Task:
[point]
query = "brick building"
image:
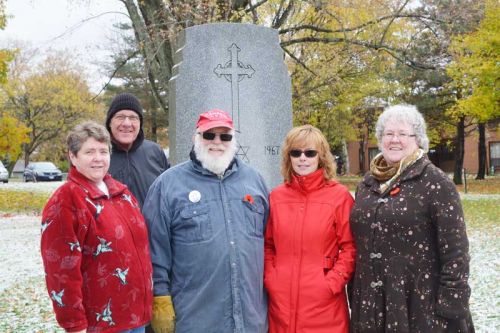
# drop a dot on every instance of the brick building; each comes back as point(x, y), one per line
point(440, 155)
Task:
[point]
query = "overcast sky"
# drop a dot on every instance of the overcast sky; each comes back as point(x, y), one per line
point(66, 24)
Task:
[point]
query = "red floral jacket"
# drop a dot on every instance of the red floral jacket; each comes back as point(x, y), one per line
point(95, 252)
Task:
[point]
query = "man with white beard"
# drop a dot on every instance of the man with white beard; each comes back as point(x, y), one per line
point(206, 220)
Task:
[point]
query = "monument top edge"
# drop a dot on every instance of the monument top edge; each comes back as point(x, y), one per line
point(229, 25)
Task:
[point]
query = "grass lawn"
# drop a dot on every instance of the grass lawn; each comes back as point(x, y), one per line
point(22, 201)
point(490, 185)
point(481, 214)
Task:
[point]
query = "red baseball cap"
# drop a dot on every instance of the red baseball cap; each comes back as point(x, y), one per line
point(214, 118)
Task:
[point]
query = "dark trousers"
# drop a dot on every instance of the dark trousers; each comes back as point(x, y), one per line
point(149, 329)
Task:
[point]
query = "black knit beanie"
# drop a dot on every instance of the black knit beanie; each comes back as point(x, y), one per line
point(124, 101)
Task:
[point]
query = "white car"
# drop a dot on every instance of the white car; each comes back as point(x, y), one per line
point(4, 174)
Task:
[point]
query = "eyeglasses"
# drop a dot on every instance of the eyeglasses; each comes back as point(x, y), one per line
point(400, 136)
point(211, 136)
point(121, 118)
point(309, 153)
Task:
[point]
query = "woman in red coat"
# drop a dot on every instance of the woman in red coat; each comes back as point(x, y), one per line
point(309, 247)
point(94, 244)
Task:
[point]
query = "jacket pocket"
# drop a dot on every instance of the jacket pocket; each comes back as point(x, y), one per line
point(195, 225)
point(254, 218)
point(327, 264)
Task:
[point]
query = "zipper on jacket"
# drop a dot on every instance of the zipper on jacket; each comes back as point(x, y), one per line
point(299, 261)
point(139, 257)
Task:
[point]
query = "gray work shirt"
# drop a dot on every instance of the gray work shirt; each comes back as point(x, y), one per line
point(207, 248)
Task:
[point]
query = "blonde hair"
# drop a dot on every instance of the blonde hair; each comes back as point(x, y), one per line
point(298, 137)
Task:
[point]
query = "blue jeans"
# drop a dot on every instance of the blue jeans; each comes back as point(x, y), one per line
point(135, 330)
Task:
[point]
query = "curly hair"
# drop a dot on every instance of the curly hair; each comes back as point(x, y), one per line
point(404, 113)
point(307, 135)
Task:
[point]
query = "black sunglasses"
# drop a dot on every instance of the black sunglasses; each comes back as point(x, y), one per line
point(310, 153)
point(223, 136)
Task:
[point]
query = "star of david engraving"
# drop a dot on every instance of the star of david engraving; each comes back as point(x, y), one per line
point(234, 71)
point(242, 153)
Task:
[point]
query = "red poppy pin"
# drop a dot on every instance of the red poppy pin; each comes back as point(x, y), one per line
point(395, 191)
point(248, 198)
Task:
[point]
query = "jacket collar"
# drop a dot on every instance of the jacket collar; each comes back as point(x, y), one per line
point(413, 171)
point(311, 182)
point(114, 187)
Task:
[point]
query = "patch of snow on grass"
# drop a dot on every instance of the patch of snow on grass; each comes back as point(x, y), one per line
point(19, 249)
point(485, 280)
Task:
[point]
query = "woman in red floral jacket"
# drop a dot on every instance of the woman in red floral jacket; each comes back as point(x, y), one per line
point(309, 249)
point(94, 244)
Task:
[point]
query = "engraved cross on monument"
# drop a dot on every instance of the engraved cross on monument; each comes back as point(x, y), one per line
point(260, 98)
point(234, 71)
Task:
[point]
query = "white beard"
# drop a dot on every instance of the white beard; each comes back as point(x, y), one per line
point(216, 164)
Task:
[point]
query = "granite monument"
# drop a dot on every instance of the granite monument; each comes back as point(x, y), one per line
point(238, 68)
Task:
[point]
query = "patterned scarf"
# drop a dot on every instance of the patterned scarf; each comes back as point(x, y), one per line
point(386, 174)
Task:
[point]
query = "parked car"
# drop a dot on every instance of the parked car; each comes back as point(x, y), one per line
point(4, 174)
point(36, 171)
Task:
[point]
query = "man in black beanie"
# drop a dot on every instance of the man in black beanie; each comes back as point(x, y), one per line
point(135, 161)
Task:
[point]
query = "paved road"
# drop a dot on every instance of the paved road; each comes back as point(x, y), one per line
point(36, 187)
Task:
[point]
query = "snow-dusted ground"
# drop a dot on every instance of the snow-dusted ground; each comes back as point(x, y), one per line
point(25, 305)
point(19, 249)
point(485, 279)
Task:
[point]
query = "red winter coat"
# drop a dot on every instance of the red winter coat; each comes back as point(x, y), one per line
point(309, 256)
point(96, 256)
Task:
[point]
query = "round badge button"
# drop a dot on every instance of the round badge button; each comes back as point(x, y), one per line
point(194, 196)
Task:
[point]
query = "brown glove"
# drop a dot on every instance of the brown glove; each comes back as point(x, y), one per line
point(163, 315)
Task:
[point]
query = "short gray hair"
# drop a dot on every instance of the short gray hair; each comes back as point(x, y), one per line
point(83, 131)
point(406, 114)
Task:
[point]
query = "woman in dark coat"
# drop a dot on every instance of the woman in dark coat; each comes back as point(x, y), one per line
point(412, 262)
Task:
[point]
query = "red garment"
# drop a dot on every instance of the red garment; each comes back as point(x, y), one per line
point(309, 256)
point(95, 252)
